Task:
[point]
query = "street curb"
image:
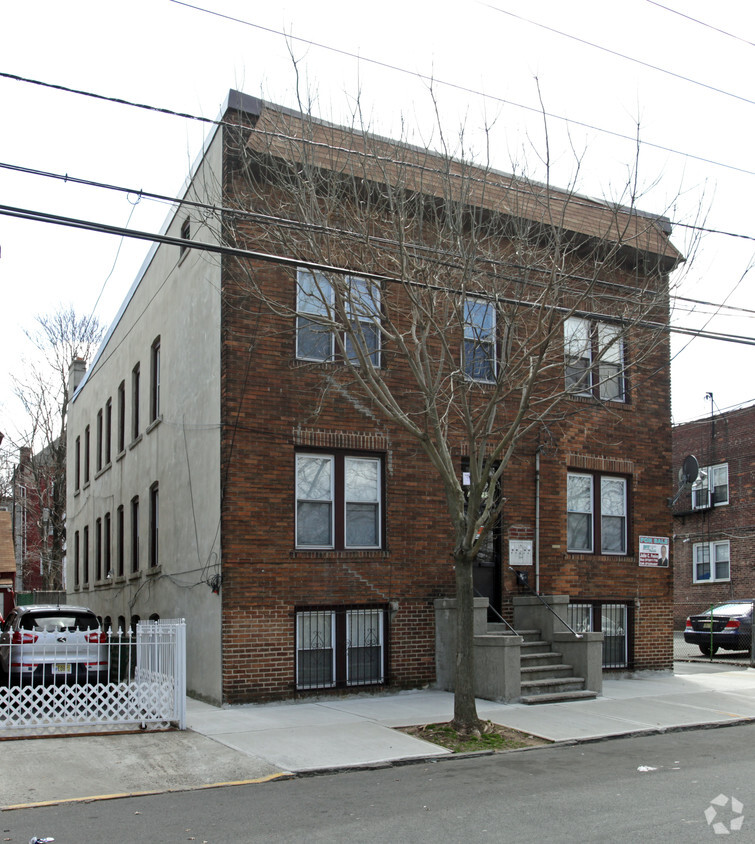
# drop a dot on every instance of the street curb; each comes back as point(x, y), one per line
point(151, 793)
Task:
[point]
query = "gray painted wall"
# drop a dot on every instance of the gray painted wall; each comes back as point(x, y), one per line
point(177, 299)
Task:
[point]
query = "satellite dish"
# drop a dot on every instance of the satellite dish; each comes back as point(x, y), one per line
point(689, 471)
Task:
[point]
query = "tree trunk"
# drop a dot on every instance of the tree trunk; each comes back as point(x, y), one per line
point(465, 710)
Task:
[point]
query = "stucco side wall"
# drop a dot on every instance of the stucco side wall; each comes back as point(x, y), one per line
point(177, 300)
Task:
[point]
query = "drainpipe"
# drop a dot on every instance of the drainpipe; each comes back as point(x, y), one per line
point(537, 519)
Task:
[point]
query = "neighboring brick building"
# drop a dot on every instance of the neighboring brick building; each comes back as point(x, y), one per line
point(216, 473)
point(714, 521)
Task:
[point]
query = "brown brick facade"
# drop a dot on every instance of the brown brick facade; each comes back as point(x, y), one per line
point(723, 438)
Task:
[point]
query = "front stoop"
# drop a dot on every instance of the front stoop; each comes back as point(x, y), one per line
point(546, 678)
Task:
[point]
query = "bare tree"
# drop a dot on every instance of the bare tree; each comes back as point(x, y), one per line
point(43, 390)
point(503, 301)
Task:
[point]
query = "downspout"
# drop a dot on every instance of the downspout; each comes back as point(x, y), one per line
point(537, 519)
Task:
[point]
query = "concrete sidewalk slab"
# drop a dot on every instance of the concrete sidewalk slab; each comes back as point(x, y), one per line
point(79, 767)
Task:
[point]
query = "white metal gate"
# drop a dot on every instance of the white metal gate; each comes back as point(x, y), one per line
point(147, 685)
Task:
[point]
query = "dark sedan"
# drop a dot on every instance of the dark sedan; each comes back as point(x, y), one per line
point(727, 626)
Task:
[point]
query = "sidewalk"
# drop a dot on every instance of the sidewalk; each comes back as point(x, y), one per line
point(255, 743)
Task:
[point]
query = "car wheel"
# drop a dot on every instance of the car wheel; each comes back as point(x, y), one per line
point(707, 650)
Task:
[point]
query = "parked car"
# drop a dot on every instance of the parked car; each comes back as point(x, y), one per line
point(50, 644)
point(727, 626)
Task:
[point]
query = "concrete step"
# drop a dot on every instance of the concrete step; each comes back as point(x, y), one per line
point(500, 627)
point(552, 685)
point(539, 657)
point(557, 697)
point(529, 635)
point(535, 644)
point(546, 671)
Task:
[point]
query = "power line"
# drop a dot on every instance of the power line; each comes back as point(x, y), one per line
point(105, 228)
point(702, 23)
point(620, 55)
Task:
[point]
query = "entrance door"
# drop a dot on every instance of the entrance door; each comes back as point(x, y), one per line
point(487, 572)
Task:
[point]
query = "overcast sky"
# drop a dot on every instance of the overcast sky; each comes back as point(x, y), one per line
point(602, 71)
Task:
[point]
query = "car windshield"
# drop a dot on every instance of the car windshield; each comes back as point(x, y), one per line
point(58, 620)
point(732, 609)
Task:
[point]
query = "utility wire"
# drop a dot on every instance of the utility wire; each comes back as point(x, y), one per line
point(280, 260)
point(620, 55)
point(702, 23)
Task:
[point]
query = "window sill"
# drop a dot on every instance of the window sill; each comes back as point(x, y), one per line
point(121, 454)
point(102, 471)
point(153, 570)
point(332, 554)
point(581, 556)
point(153, 424)
point(135, 442)
point(77, 492)
point(134, 575)
point(608, 404)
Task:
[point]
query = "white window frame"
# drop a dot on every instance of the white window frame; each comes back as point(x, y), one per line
point(596, 513)
point(315, 298)
point(329, 459)
point(595, 353)
point(479, 335)
point(377, 502)
point(704, 491)
point(699, 548)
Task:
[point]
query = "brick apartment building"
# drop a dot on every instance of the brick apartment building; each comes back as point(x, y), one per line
point(218, 472)
point(714, 520)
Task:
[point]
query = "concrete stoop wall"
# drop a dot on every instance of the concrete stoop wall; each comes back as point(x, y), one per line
point(497, 655)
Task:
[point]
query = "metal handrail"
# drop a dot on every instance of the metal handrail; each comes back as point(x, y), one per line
point(495, 611)
point(522, 580)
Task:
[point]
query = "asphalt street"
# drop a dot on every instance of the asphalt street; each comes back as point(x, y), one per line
point(667, 788)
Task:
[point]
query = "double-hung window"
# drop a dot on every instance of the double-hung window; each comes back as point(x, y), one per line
point(597, 513)
point(479, 339)
point(318, 318)
point(710, 561)
point(594, 359)
point(338, 501)
point(711, 487)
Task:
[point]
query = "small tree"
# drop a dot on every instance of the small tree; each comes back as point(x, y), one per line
point(474, 282)
point(43, 390)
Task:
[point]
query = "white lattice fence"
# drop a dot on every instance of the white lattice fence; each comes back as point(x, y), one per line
point(155, 694)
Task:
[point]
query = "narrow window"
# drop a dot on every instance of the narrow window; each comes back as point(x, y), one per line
point(579, 513)
point(613, 515)
point(98, 550)
point(314, 501)
point(362, 502)
point(363, 312)
point(314, 299)
point(77, 464)
point(315, 656)
point(578, 356)
point(154, 523)
point(86, 454)
point(135, 534)
point(135, 377)
point(106, 546)
point(119, 541)
point(121, 416)
point(154, 395)
point(108, 430)
point(364, 647)
point(185, 236)
point(100, 430)
point(76, 560)
point(611, 365)
point(479, 339)
point(86, 556)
